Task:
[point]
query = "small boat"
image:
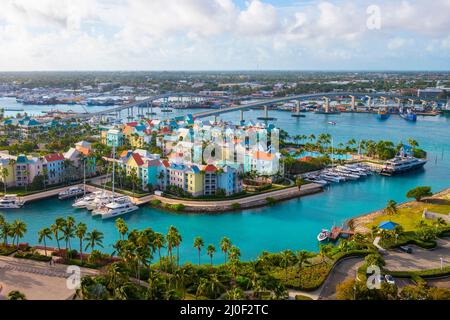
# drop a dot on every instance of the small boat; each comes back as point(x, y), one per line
point(11, 202)
point(408, 115)
point(332, 123)
point(72, 192)
point(323, 235)
point(87, 200)
point(382, 115)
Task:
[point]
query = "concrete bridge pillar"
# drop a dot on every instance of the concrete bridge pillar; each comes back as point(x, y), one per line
point(369, 102)
point(353, 103)
point(242, 116)
point(326, 104)
point(266, 112)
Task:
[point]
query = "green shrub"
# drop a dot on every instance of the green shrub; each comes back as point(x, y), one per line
point(177, 207)
point(32, 256)
point(155, 203)
point(235, 206)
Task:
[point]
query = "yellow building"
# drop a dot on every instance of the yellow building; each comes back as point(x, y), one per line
point(194, 181)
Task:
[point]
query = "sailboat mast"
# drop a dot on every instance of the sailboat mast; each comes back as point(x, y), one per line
point(113, 169)
point(84, 176)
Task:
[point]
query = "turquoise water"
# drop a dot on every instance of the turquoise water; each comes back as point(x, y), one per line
point(293, 224)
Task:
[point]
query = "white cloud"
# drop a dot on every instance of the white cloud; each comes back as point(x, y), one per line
point(205, 34)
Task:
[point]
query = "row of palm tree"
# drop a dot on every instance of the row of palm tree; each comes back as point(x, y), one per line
point(66, 230)
point(15, 230)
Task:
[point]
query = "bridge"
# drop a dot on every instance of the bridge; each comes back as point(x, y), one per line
point(148, 102)
point(325, 95)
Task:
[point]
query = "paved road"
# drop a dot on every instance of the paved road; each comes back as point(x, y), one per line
point(37, 280)
point(345, 269)
point(420, 259)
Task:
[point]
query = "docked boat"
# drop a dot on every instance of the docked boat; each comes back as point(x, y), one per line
point(88, 200)
point(408, 115)
point(330, 178)
point(332, 123)
point(115, 209)
point(11, 202)
point(317, 180)
point(382, 114)
point(323, 235)
point(72, 192)
point(400, 165)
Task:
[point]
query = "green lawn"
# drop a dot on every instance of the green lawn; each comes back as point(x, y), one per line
point(409, 216)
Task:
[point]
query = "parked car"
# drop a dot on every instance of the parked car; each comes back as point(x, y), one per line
point(389, 279)
point(406, 249)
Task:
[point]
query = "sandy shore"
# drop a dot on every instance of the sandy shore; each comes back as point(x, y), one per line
point(358, 224)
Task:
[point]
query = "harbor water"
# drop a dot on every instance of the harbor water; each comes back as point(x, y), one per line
point(292, 224)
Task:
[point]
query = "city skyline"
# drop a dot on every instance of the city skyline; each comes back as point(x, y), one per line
point(227, 35)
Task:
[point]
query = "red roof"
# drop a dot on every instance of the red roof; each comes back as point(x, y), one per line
point(210, 168)
point(166, 163)
point(137, 157)
point(54, 157)
point(132, 124)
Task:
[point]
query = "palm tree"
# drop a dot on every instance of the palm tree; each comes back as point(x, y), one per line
point(325, 250)
point(122, 227)
point(391, 207)
point(302, 259)
point(210, 250)
point(286, 259)
point(198, 243)
point(26, 173)
point(68, 231)
point(45, 233)
point(94, 238)
point(225, 245)
point(4, 174)
point(80, 233)
point(19, 228)
point(413, 143)
point(4, 230)
point(159, 242)
point(177, 242)
point(234, 255)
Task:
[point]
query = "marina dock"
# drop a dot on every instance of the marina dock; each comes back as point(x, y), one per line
point(337, 232)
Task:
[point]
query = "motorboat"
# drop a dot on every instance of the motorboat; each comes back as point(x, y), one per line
point(317, 180)
point(11, 202)
point(115, 209)
point(332, 123)
point(87, 200)
point(323, 235)
point(330, 178)
point(71, 192)
point(105, 201)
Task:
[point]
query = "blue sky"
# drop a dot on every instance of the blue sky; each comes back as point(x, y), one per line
point(224, 35)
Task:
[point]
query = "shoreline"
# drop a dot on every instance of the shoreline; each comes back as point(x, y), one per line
point(358, 223)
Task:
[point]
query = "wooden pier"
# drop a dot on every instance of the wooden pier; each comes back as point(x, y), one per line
point(336, 233)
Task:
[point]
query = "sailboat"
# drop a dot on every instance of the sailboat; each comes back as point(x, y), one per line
point(116, 207)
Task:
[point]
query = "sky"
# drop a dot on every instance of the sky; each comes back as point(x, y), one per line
point(224, 35)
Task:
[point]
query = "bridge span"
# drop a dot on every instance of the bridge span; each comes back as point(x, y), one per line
point(145, 103)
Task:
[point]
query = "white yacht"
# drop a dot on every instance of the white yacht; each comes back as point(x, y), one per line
point(72, 192)
point(402, 164)
point(115, 209)
point(87, 200)
point(100, 200)
point(11, 202)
